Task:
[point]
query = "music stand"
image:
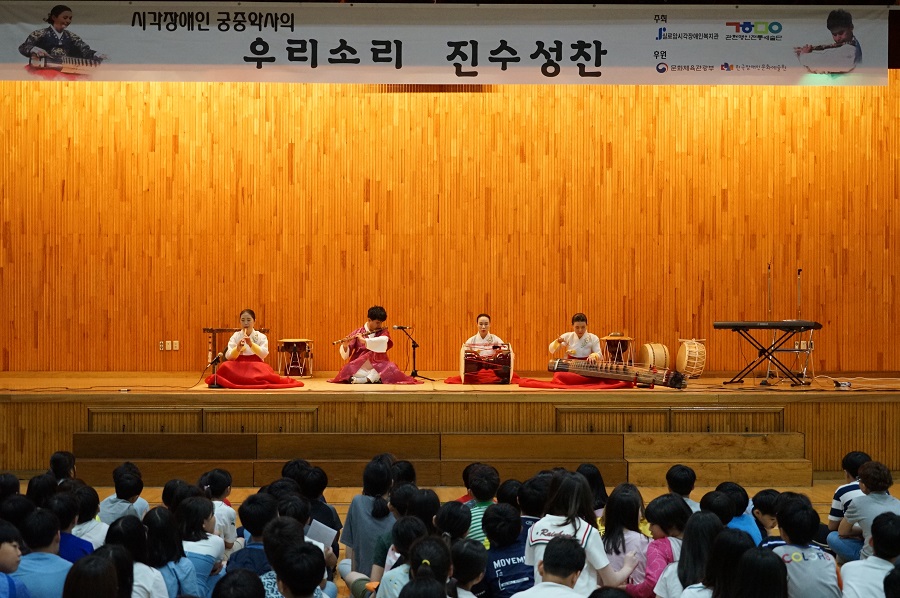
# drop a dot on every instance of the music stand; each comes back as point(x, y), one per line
point(414, 373)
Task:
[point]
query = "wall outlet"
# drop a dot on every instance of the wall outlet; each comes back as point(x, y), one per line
point(168, 345)
point(176, 345)
point(162, 345)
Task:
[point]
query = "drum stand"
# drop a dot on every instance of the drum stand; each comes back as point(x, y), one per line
point(415, 373)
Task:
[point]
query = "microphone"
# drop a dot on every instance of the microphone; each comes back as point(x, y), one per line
point(402, 327)
point(217, 359)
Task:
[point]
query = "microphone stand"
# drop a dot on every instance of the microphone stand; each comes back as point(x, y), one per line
point(215, 382)
point(414, 373)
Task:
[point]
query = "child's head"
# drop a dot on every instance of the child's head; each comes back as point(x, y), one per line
point(279, 534)
point(502, 525)
point(239, 583)
point(681, 479)
point(293, 506)
point(62, 465)
point(852, 461)
point(469, 560)
point(15, 509)
point(727, 549)
point(257, 511)
point(452, 521)
point(9, 485)
point(402, 497)
point(609, 593)
point(564, 558)
point(299, 570)
point(886, 536)
point(798, 523)
point(720, 504)
point(65, 506)
point(376, 483)
point(163, 542)
point(595, 481)
point(699, 533)
point(377, 316)
point(313, 482)
point(10, 547)
point(282, 487)
point(483, 482)
point(407, 530)
point(840, 24)
point(123, 564)
point(126, 467)
point(40, 488)
point(92, 576)
point(764, 507)
point(129, 532)
point(623, 512)
point(403, 472)
point(788, 497)
point(874, 477)
point(216, 483)
point(169, 490)
point(40, 530)
point(533, 495)
point(570, 497)
point(196, 518)
point(508, 492)
point(128, 486)
point(88, 503)
point(430, 557)
point(760, 574)
point(425, 505)
point(738, 496)
point(467, 471)
point(295, 469)
point(667, 515)
point(892, 584)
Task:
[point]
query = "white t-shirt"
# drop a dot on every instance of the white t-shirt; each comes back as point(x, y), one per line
point(668, 585)
point(213, 546)
point(93, 531)
point(225, 521)
point(698, 590)
point(148, 582)
point(865, 579)
point(551, 526)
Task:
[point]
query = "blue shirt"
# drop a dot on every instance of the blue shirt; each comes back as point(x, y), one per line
point(180, 577)
point(251, 557)
point(73, 548)
point(506, 572)
point(10, 587)
point(44, 574)
point(747, 523)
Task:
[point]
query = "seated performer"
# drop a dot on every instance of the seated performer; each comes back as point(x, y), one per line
point(366, 351)
point(56, 40)
point(493, 359)
point(245, 367)
point(580, 344)
point(484, 337)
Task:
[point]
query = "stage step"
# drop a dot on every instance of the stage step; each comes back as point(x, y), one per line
point(769, 473)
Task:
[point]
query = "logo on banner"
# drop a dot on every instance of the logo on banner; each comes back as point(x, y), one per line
point(662, 67)
point(756, 27)
point(726, 67)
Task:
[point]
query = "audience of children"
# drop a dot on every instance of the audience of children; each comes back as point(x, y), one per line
point(130, 533)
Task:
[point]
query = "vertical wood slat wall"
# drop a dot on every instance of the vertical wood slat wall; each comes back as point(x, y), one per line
point(138, 212)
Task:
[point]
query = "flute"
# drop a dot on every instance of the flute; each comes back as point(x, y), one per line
point(349, 336)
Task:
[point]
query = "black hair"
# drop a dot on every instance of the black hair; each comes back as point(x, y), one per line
point(239, 583)
point(163, 541)
point(886, 536)
point(402, 497)
point(295, 469)
point(192, 513)
point(40, 488)
point(403, 472)
point(838, 18)
point(215, 483)
point(737, 494)
point(595, 481)
point(423, 587)
point(467, 471)
point(91, 576)
point(786, 498)
point(376, 483)
point(15, 509)
point(718, 503)
point(623, 512)
point(892, 584)
point(280, 533)
point(852, 460)
point(727, 549)
point(184, 492)
point(502, 524)
point(430, 557)
point(764, 501)
point(301, 568)
point(65, 506)
point(483, 482)
point(40, 528)
point(88, 503)
point(425, 505)
point(563, 556)
point(56, 11)
point(579, 317)
point(609, 593)
point(508, 493)
point(296, 507)
point(669, 512)
point(121, 559)
point(313, 481)
point(570, 497)
point(127, 467)
point(696, 546)
point(479, 316)
point(799, 522)
point(282, 487)
point(129, 532)
point(407, 530)
point(62, 465)
point(469, 559)
point(257, 511)
point(453, 521)
point(376, 312)
point(760, 574)
point(9, 485)
point(533, 494)
point(169, 491)
point(248, 311)
point(681, 479)
point(9, 533)
point(128, 486)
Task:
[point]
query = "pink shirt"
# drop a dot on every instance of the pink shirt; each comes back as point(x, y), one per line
point(659, 554)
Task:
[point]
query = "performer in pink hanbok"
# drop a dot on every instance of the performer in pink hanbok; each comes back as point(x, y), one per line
point(365, 350)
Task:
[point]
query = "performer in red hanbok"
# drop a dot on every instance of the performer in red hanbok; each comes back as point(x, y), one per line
point(365, 350)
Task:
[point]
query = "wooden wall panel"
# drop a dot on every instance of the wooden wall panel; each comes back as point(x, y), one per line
point(260, 420)
point(733, 419)
point(151, 420)
point(152, 210)
point(33, 431)
point(611, 419)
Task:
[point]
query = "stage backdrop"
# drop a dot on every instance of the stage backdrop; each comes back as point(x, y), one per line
point(138, 212)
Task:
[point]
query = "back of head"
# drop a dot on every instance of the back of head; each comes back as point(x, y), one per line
point(40, 488)
point(62, 465)
point(453, 520)
point(376, 483)
point(798, 522)
point(469, 559)
point(88, 503)
point(216, 483)
point(699, 533)
point(669, 512)
point(738, 496)
point(467, 471)
point(239, 583)
point(595, 481)
point(681, 479)
point(852, 461)
point(720, 504)
point(876, 476)
point(886, 536)
point(402, 498)
point(508, 492)
point(123, 564)
point(9, 485)
point(128, 486)
point(10, 534)
point(533, 495)
point(403, 472)
point(424, 587)
point(170, 490)
point(892, 584)
point(65, 506)
point(728, 547)
point(282, 487)
point(764, 501)
point(405, 531)
point(789, 497)
point(570, 497)
point(257, 511)
point(430, 557)
point(502, 525)
point(129, 532)
point(622, 513)
point(609, 593)
point(126, 468)
point(484, 480)
point(313, 482)
point(425, 505)
point(191, 515)
point(300, 568)
point(163, 541)
point(183, 492)
point(15, 509)
point(280, 533)
point(760, 574)
point(40, 529)
point(296, 470)
point(563, 556)
point(92, 576)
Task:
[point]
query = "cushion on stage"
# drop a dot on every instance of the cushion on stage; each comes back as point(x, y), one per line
point(483, 376)
point(250, 372)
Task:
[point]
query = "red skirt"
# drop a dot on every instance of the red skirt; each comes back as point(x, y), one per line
point(482, 376)
point(570, 380)
point(250, 372)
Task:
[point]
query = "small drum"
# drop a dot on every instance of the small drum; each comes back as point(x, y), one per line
point(474, 358)
point(617, 348)
point(654, 355)
point(295, 357)
point(691, 358)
